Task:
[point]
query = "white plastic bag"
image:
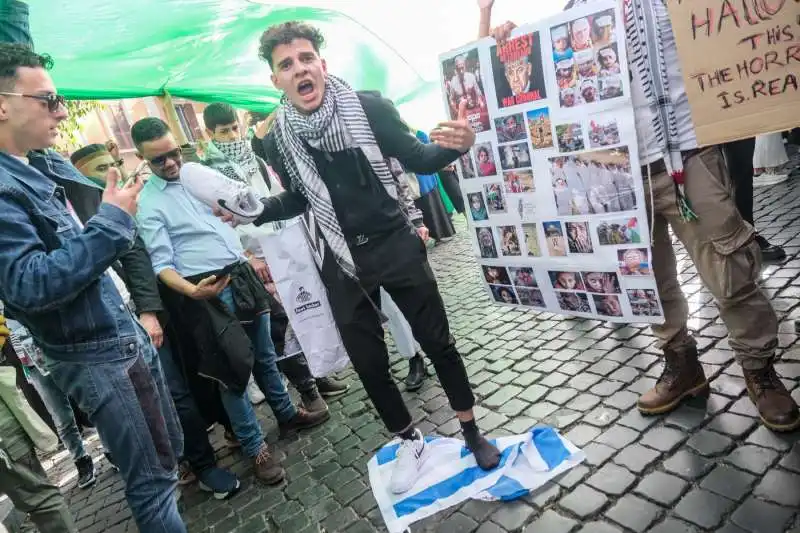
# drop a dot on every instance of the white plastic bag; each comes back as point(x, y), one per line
point(305, 299)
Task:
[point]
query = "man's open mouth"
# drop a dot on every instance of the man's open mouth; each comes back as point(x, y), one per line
point(305, 88)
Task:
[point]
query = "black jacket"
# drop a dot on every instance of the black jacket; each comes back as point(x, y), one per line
point(134, 266)
point(359, 199)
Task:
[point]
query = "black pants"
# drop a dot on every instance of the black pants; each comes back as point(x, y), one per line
point(453, 189)
point(398, 263)
point(739, 157)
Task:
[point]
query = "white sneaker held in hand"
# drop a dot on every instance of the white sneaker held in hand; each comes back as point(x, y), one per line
point(216, 190)
point(410, 457)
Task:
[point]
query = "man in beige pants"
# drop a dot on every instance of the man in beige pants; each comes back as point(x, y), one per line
point(719, 241)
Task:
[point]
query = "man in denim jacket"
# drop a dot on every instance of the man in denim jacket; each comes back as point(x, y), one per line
point(53, 279)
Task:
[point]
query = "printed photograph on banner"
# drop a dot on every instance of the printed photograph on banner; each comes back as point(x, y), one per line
point(495, 199)
point(484, 155)
point(463, 86)
point(504, 295)
point(578, 238)
point(603, 132)
point(510, 128)
point(601, 282)
point(644, 302)
point(477, 207)
point(523, 277)
point(634, 261)
point(519, 181)
point(566, 280)
point(593, 183)
point(622, 231)
point(570, 137)
point(517, 71)
point(526, 207)
point(586, 59)
point(607, 304)
point(486, 244)
point(531, 240)
point(576, 302)
point(509, 241)
point(496, 275)
point(467, 166)
point(554, 236)
point(531, 297)
point(515, 155)
point(540, 128)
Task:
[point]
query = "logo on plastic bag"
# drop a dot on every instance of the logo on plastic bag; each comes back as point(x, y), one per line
point(306, 301)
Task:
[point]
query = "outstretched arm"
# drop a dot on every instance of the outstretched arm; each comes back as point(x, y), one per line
point(485, 23)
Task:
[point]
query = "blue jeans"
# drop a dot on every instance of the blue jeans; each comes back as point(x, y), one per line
point(121, 388)
point(269, 380)
point(57, 404)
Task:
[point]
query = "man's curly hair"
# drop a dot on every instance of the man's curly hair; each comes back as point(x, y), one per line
point(14, 56)
point(285, 33)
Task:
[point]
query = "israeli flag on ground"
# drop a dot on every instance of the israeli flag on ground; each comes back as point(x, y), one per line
point(450, 475)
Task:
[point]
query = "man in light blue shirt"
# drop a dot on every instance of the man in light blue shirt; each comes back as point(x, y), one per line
point(187, 242)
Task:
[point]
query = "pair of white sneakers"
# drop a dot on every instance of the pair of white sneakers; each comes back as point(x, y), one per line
point(219, 191)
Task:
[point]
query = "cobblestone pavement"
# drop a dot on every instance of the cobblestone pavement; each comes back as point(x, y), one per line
point(706, 467)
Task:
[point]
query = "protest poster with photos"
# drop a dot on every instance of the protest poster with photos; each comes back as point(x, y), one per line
point(553, 182)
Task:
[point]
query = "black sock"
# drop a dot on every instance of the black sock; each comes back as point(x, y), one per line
point(409, 434)
point(469, 427)
point(486, 454)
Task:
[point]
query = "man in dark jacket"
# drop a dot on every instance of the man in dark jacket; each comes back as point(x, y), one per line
point(329, 146)
point(135, 269)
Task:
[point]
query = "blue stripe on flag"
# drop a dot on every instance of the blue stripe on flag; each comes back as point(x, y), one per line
point(465, 452)
point(507, 489)
point(387, 454)
point(447, 487)
point(550, 447)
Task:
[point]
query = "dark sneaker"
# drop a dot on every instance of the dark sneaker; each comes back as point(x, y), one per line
point(682, 377)
point(417, 372)
point(770, 253)
point(220, 482)
point(185, 474)
point(777, 409)
point(110, 459)
point(305, 420)
point(313, 402)
point(86, 477)
point(267, 468)
point(331, 387)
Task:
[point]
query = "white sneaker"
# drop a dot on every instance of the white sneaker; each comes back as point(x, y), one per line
point(410, 458)
point(254, 393)
point(217, 190)
point(769, 178)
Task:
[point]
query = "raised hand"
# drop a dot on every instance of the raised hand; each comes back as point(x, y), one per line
point(455, 134)
point(503, 32)
point(126, 197)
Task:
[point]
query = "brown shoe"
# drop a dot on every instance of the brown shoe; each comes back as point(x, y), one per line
point(305, 420)
point(682, 377)
point(267, 468)
point(312, 401)
point(777, 409)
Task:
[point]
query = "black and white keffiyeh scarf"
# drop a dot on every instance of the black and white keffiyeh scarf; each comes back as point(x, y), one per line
point(646, 24)
point(339, 124)
point(243, 158)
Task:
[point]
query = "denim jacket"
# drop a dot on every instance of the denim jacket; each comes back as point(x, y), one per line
point(53, 273)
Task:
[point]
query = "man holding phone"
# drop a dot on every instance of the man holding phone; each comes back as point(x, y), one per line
point(196, 255)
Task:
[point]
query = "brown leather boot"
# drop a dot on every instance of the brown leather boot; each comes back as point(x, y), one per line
point(777, 409)
point(304, 420)
point(682, 377)
point(267, 468)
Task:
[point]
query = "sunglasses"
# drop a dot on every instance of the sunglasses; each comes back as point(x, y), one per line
point(160, 160)
point(54, 101)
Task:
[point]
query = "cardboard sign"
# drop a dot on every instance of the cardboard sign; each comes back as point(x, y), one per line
point(741, 64)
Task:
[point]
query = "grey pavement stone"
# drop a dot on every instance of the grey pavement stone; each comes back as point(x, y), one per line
point(662, 488)
point(703, 508)
point(583, 501)
point(637, 458)
point(513, 515)
point(634, 513)
point(663, 439)
point(732, 483)
point(709, 443)
point(752, 458)
point(612, 479)
point(757, 516)
point(617, 437)
point(671, 525)
point(552, 522)
point(599, 527)
point(688, 465)
point(780, 487)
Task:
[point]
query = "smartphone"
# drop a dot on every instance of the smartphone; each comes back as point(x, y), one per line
point(225, 271)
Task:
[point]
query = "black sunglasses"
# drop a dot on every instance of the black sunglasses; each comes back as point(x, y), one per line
point(53, 101)
point(161, 159)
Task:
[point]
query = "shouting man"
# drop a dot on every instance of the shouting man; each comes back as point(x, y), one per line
point(328, 145)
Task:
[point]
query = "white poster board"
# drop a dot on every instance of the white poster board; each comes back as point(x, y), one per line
point(553, 184)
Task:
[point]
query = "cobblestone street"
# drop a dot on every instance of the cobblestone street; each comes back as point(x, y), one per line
point(708, 466)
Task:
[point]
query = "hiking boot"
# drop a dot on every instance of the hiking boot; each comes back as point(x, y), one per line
point(682, 377)
point(267, 468)
point(230, 440)
point(331, 387)
point(312, 401)
point(417, 371)
point(86, 477)
point(770, 253)
point(185, 474)
point(221, 483)
point(304, 420)
point(777, 409)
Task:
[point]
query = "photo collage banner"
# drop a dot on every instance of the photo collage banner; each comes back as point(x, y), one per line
point(553, 184)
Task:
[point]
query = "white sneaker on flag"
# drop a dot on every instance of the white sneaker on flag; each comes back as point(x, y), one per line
point(254, 393)
point(410, 456)
point(219, 191)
